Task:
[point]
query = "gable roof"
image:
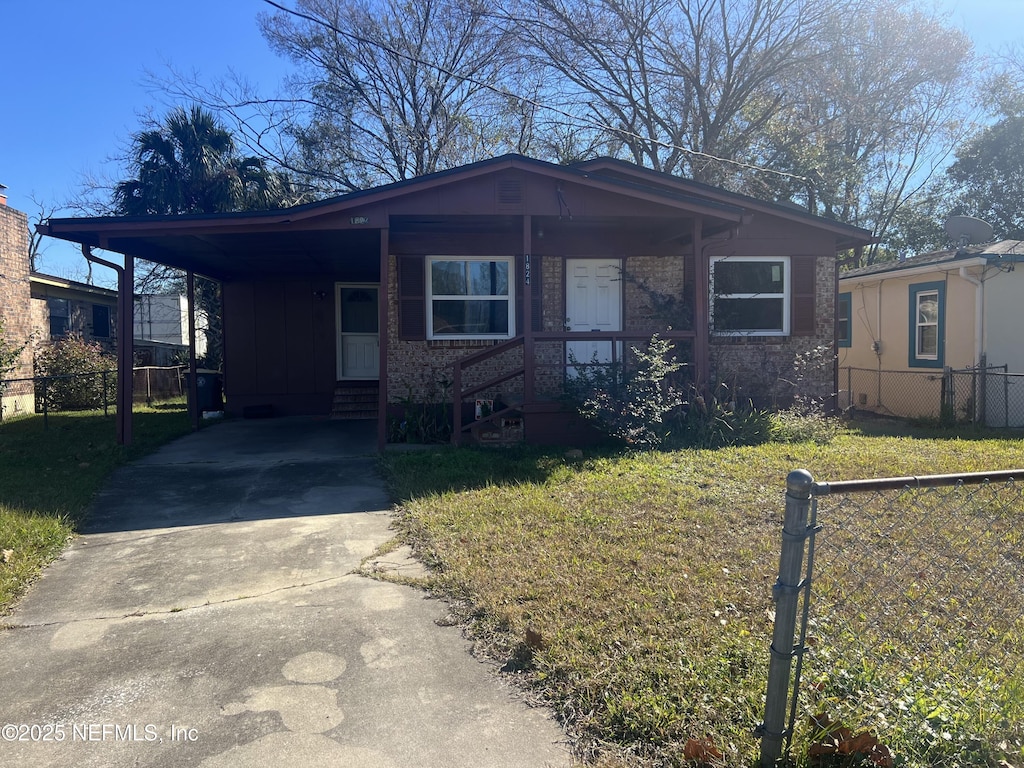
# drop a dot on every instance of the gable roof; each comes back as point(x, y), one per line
point(1002, 250)
point(849, 236)
point(309, 237)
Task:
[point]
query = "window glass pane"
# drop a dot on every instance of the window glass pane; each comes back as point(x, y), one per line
point(448, 278)
point(59, 314)
point(359, 310)
point(488, 278)
point(748, 314)
point(927, 308)
point(928, 341)
point(452, 317)
point(749, 277)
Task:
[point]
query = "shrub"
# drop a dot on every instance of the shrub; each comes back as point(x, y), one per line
point(75, 370)
point(633, 404)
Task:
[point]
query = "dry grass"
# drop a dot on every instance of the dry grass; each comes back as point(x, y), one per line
point(634, 593)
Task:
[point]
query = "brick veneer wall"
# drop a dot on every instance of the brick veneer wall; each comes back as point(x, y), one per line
point(418, 370)
point(15, 302)
point(754, 367)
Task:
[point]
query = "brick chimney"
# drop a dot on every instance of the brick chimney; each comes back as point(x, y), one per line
point(3, 197)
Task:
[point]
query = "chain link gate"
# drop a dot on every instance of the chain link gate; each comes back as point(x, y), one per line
point(910, 643)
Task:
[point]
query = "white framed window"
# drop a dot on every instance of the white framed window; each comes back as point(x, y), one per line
point(470, 297)
point(750, 296)
point(927, 325)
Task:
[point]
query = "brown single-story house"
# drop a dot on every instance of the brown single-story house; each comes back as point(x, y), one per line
point(472, 286)
point(61, 306)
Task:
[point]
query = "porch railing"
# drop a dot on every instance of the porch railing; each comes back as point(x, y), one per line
point(529, 366)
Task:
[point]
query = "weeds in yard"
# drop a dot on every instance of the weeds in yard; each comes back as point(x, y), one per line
point(634, 593)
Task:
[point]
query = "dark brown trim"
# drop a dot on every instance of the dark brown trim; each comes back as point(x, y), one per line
point(701, 313)
point(529, 362)
point(383, 310)
point(192, 383)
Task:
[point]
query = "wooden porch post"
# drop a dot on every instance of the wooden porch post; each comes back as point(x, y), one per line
point(383, 308)
point(701, 314)
point(527, 329)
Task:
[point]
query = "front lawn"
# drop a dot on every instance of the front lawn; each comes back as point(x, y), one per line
point(633, 593)
point(48, 477)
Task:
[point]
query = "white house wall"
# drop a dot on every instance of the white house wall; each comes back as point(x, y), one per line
point(165, 319)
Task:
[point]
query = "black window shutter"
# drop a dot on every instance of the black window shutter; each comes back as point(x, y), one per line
point(803, 275)
point(412, 310)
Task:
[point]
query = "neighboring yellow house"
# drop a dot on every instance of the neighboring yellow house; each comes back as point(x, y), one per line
point(916, 335)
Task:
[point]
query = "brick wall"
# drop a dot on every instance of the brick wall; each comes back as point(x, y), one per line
point(15, 303)
point(757, 367)
point(418, 370)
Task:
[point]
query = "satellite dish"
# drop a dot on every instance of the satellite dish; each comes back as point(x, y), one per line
point(967, 230)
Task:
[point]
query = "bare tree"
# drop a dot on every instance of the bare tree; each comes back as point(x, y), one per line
point(391, 89)
point(877, 119)
point(678, 83)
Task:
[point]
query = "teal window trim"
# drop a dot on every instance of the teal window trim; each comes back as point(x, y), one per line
point(915, 359)
point(844, 333)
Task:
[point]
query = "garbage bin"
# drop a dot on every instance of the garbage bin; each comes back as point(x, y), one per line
point(208, 390)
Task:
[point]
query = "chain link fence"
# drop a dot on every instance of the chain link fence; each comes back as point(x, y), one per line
point(899, 627)
point(995, 395)
point(905, 394)
point(988, 396)
point(87, 391)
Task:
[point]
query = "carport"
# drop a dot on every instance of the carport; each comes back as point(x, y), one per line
point(278, 270)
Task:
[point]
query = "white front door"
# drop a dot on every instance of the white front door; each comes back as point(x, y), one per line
point(593, 302)
point(358, 336)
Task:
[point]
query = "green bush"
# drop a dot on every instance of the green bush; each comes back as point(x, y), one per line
point(634, 404)
point(79, 375)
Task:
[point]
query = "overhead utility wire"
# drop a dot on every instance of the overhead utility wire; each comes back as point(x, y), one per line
point(532, 102)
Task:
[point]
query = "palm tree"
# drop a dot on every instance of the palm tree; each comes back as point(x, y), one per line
point(189, 165)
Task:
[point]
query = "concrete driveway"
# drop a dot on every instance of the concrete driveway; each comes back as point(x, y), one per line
point(210, 617)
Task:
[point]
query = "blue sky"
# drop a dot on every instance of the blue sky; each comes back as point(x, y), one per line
point(73, 79)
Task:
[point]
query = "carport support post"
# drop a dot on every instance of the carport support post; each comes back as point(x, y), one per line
point(126, 297)
point(125, 335)
point(193, 388)
point(383, 305)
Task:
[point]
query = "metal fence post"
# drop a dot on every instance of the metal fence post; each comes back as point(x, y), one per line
point(786, 593)
point(46, 406)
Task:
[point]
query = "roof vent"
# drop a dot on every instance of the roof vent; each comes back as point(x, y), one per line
point(509, 194)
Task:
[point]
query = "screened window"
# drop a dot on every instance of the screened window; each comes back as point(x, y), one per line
point(60, 315)
point(100, 321)
point(750, 296)
point(469, 298)
point(926, 324)
point(844, 331)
